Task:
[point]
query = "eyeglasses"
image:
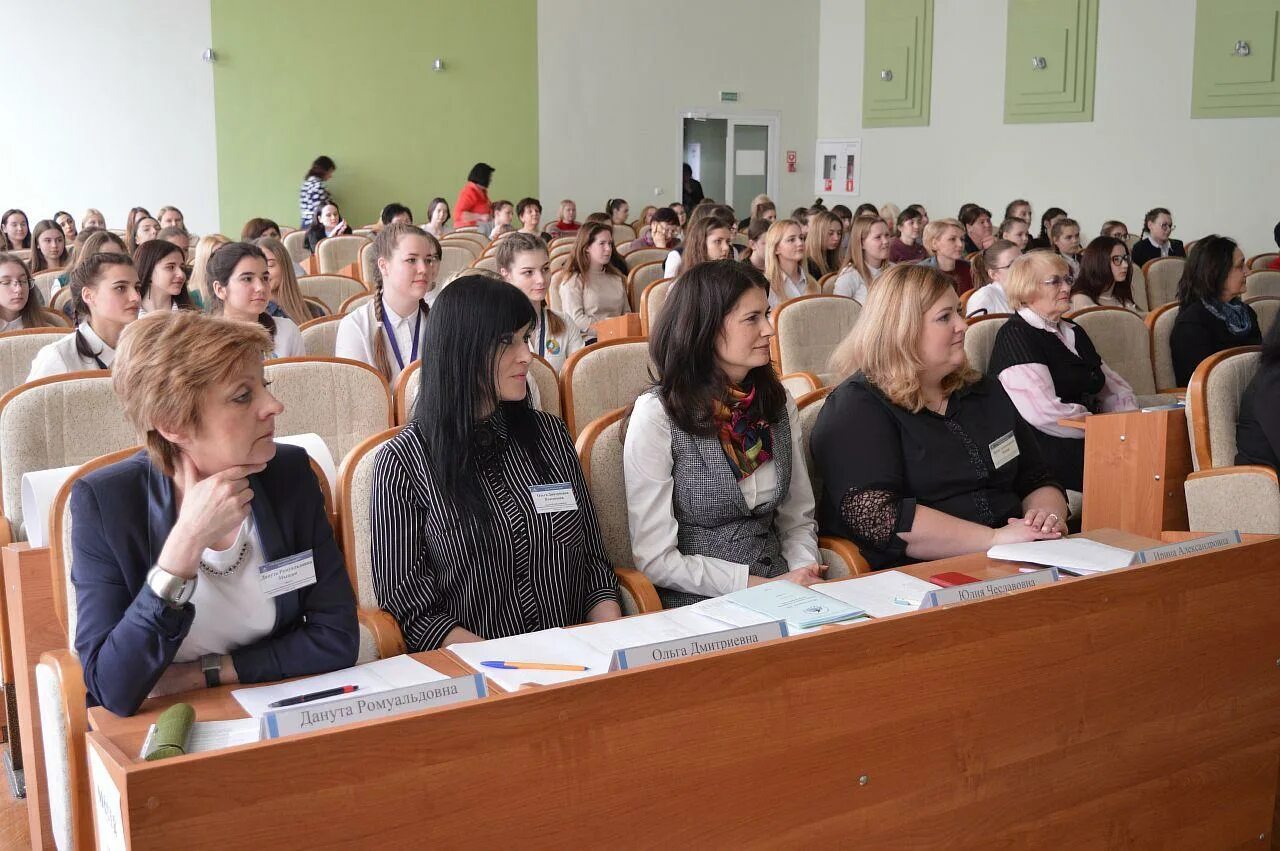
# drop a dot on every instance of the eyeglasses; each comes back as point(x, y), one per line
point(1060, 281)
point(1120, 260)
point(15, 283)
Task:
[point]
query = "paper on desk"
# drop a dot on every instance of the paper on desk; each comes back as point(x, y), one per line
point(1078, 555)
point(319, 452)
point(384, 674)
point(639, 630)
point(38, 490)
point(876, 594)
point(213, 735)
point(554, 646)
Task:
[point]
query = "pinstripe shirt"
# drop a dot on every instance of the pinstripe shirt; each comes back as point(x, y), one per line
point(525, 571)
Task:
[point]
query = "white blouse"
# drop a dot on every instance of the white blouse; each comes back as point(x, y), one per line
point(355, 337)
point(288, 340)
point(671, 268)
point(647, 466)
point(13, 325)
point(790, 288)
point(555, 348)
point(61, 357)
point(989, 299)
point(850, 284)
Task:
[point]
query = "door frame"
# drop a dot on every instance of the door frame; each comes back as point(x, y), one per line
point(772, 120)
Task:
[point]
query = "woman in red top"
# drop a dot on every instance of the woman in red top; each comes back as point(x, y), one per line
point(473, 205)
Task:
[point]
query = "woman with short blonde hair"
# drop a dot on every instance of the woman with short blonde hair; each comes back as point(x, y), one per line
point(942, 464)
point(944, 240)
point(93, 218)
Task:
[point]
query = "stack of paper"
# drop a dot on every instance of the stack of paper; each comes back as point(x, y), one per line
point(549, 647)
point(212, 735)
point(1076, 555)
point(667, 625)
point(383, 675)
point(800, 607)
point(882, 594)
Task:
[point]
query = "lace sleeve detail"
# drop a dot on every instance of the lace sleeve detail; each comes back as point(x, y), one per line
point(872, 516)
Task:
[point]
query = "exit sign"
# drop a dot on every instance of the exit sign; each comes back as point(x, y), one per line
point(728, 97)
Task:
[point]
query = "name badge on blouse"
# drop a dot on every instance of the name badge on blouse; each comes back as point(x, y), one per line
point(287, 574)
point(552, 499)
point(1003, 450)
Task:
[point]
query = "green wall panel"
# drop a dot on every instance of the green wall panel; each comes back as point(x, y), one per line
point(295, 80)
point(897, 71)
point(1062, 37)
point(1231, 83)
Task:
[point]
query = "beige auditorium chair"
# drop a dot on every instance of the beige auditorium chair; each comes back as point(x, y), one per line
point(409, 385)
point(1264, 282)
point(331, 290)
point(641, 256)
point(352, 303)
point(343, 401)
point(404, 396)
point(1267, 307)
point(827, 286)
point(316, 307)
point(56, 318)
point(454, 259)
point(1120, 336)
point(1138, 289)
point(43, 282)
point(18, 349)
point(59, 300)
point(296, 244)
point(622, 234)
point(561, 242)
point(980, 339)
point(486, 264)
point(336, 253)
point(807, 330)
point(1162, 275)
point(640, 277)
point(368, 265)
point(1160, 330)
point(544, 375)
point(320, 336)
point(599, 378)
point(839, 554)
point(1261, 261)
point(1222, 496)
point(651, 303)
point(800, 383)
point(475, 241)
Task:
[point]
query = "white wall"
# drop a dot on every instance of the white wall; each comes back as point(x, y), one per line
point(1141, 150)
point(613, 78)
point(110, 106)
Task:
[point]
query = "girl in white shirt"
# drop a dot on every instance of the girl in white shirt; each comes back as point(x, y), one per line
point(718, 497)
point(869, 242)
point(522, 261)
point(240, 290)
point(438, 214)
point(784, 256)
point(710, 238)
point(106, 295)
point(386, 331)
point(18, 309)
point(990, 270)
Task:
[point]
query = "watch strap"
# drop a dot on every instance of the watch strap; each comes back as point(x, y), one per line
point(211, 664)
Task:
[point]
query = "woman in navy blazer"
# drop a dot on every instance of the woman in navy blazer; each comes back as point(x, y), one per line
point(168, 545)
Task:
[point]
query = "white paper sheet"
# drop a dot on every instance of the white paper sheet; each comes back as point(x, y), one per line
point(550, 646)
point(1078, 555)
point(319, 452)
point(637, 631)
point(384, 674)
point(877, 594)
point(213, 735)
point(39, 487)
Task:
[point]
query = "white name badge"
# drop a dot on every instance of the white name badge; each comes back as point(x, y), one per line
point(287, 574)
point(1003, 450)
point(550, 499)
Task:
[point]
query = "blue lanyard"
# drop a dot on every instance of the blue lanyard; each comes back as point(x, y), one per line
point(391, 336)
point(542, 330)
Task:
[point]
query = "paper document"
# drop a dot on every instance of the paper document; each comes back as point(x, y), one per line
point(1078, 555)
point(384, 674)
point(554, 646)
point(640, 630)
point(882, 594)
point(38, 490)
point(212, 735)
point(319, 452)
point(799, 606)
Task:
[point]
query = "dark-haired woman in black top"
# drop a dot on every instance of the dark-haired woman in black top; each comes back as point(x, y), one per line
point(482, 525)
point(1043, 241)
point(1211, 315)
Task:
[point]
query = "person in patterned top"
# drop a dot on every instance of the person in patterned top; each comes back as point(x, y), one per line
point(313, 194)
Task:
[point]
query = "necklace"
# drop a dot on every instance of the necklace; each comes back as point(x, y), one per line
point(236, 565)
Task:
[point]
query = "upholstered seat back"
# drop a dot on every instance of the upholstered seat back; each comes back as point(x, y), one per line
point(980, 339)
point(1218, 406)
point(295, 242)
point(332, 290)
point(338, 252)
point(1160, 325)
point(18, 349)
point(600, 450)
point(343, 401)
point(642, 275)
point(1120, 336)
point(603, 377)
point(1162, 276)
point(320, 336)
point(808, 329)
point(1262, 283)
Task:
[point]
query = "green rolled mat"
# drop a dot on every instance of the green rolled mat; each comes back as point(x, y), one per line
point(172, 727)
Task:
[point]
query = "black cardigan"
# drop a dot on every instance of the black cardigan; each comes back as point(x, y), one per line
point(1143, 251)
point(1197, 333)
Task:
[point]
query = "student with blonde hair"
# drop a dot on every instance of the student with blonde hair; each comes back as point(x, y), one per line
point(890, 212)
point(822, 245)
point(944, 239)
point(199, 283)
point(1015, 230)
point(943, 465)
point(566, 223)
point(990, 271)
point(93, 219)
point(869, 243)
point(591, 288)
point(286, 301)
point(784, 265)
point(171, 217)
point(1065, 236)
point(522, 261)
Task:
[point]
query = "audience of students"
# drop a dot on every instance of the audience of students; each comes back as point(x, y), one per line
point(1047, 220)
point(171, 217)
point(199, 285)
point(709, 237)
point(944, 239)
point(438, 215)
point(68, 224)
point(19, 305)
point(522, 261)
point(105, 298)
point(978, 231)
point(663, 231)
point(1019, 208)
point(1065, 236)
point(49, 247)
point(784, 266)
point(14, 231)
point(822, 245)
point(1211, 314)
point(328, 222)
point(1016, 230)
point(907, 246)
point(566, 223)
point(1116, 230)
point(240, 290)
point(144, 229)
point(286, 300)
point(161, 268)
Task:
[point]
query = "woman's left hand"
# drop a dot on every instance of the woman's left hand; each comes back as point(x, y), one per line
point(1043, 520)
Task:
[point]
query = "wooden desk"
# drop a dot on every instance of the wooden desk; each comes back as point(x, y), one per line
point(626, 325)
point(1138, 707)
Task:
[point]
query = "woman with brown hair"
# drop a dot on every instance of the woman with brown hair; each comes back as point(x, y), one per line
point(708, 238)
point(48, 247)
point(162, 272)
point(1106, 276)
point(286, 301)
point(592, 288)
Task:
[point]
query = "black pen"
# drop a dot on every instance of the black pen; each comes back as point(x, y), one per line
point(315, 695)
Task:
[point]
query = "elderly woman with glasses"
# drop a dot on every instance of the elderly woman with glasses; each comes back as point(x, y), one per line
point(1048, 364)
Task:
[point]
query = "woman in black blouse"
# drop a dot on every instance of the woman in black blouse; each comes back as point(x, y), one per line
point(1211, 316)
point(482, 525)
point(920, 456)
point(1258, 423)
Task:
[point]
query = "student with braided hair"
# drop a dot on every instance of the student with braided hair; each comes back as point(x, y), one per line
point(386, 331)
point(106, 296)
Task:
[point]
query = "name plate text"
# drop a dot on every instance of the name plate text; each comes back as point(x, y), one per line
point(383, 704)
point(1188, 548)
point(696, 645)
point(989, 588)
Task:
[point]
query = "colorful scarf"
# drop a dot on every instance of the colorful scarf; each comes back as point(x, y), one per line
point(747, 441)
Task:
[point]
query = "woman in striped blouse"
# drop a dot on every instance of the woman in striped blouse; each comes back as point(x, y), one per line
point(482, 525)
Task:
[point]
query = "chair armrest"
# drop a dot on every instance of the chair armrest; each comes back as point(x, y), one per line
point(1180, 392)
point(6, 532)
point(66, 670)
point(1245, 497)
point(386, 632)
point(640, 589)
point(848, 552)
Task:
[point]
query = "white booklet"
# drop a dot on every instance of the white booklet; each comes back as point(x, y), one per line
point(382, 675)
point(1077, 555)
point(212, 735)
point(882, 594)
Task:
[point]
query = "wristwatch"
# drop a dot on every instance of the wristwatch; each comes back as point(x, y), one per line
point(211, 664)
point(174, 590)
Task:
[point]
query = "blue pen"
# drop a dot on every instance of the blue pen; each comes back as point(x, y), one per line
point(534, 666)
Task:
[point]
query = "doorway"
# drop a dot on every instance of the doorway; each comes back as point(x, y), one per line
point(733, 156)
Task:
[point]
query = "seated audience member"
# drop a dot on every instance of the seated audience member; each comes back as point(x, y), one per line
point(175, 236)
point(1258, 423)
point(906, 247)
point(1116, 230)
point(784, 266)
point(978, 232)
point(287, 301)
point(240, 290)
point(944, 239)
point(1019, 208)
point(592, 288)
point(68, 224)
point(924, 215)
point(822, 245)
point(256, 228)
point(617, 209)
point(1065, 235)
point(105, 297)
point(19, 302)
point(1106, 276)
point(95, 242)
point(662, 232)
point(566, 223)
point(717, 493)
point(93, 219)
point(1047, 220)
point(503, 213)
point(990, 271)
point(943, 465)
point(866, 209)
point(756, 232)
point(1156, 241)
point(529, 212)
point(682, 212)
point(328, 223)
point(646, 215)
point(461, 549)
point(167, 545)
point(473, 208)
point(1049, 366)
point(393, 213)
point(762, 207)
point(1211, 315)
point(1275, 261)
point(800, 215)
point(868, 256)
point(709, 237)
point(144, 229)
point(1015, 230)
point(162, 273)
point(386, 331)
point(522, 261)
point(199, 283)
point(171, 217)
point(889, 212)
point(49, 247)
point(15, 231)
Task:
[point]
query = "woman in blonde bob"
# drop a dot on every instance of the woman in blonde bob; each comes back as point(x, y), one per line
point(921, 457)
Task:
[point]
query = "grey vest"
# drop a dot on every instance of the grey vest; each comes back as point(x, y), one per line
point(712, 515)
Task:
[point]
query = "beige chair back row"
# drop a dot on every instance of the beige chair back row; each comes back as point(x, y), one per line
point(332, 291)
point(1262, 261)
point(807, 331)
point(295, 242)
point(336, 253)
point(409, 385)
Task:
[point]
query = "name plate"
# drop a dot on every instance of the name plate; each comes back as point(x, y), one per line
point(383, 704)
point(1188, 548)
point(696, 645)
point(989, 588)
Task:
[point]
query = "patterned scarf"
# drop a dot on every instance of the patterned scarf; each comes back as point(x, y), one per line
point(1233, 312)
point(747, 441)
